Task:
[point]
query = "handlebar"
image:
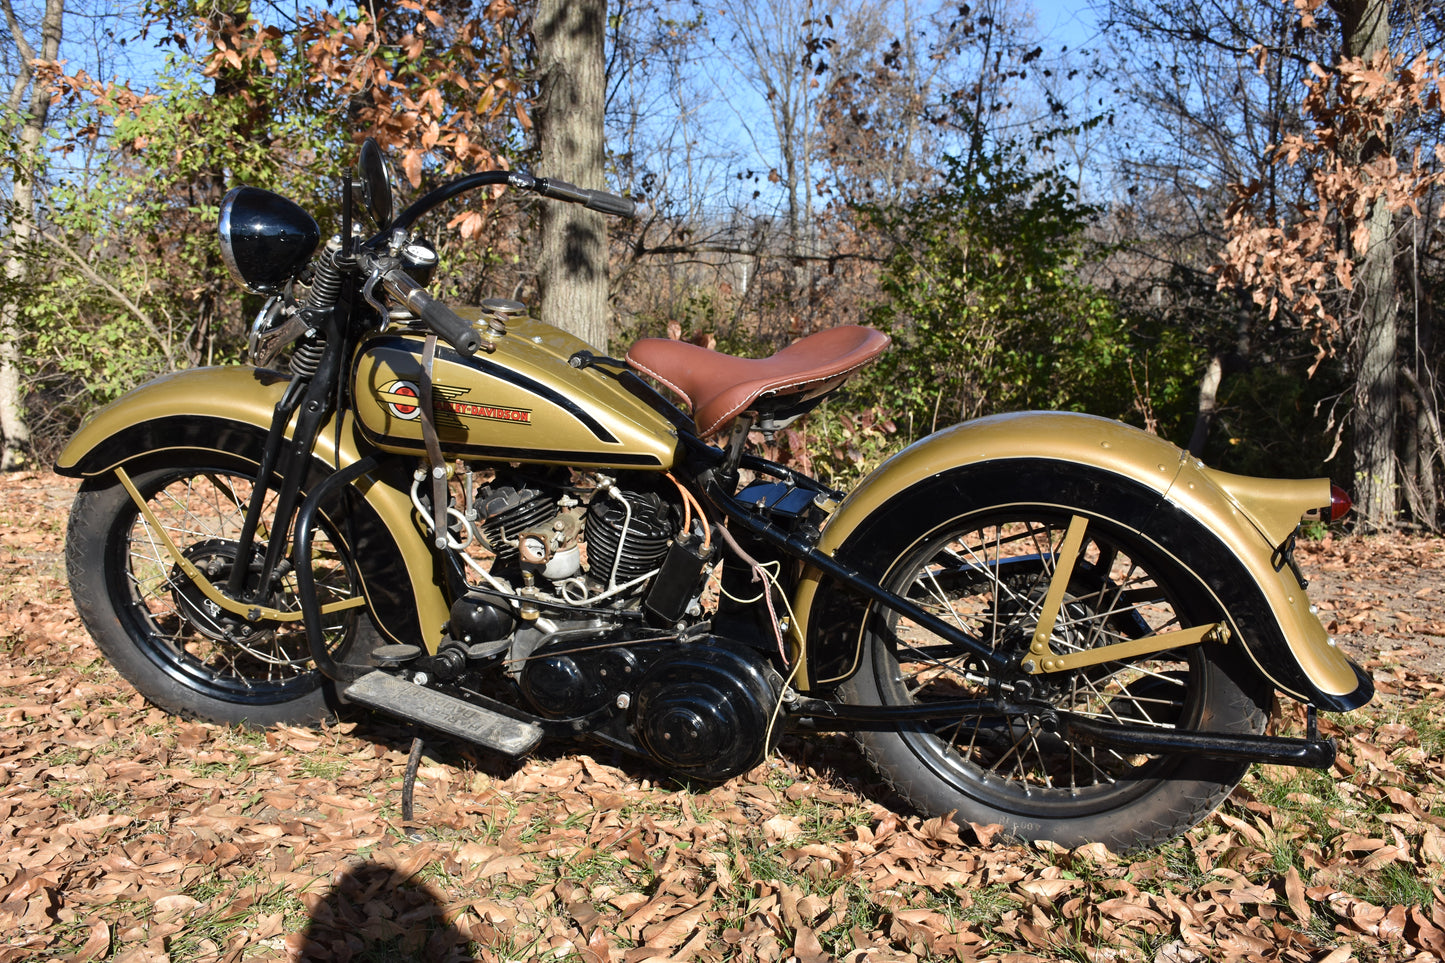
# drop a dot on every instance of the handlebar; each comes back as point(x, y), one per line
point(454, 330)
point(545, 186)
point(592, 200)
point(460, 334)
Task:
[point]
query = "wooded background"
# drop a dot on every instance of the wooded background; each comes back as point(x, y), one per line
point(1219, 221)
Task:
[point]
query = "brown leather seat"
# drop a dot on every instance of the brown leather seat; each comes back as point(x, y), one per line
point(720, 386)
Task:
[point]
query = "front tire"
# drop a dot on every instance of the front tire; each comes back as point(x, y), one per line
point(985, 564)
point(181, 651)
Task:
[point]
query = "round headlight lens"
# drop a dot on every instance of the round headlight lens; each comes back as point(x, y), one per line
point(265, 238)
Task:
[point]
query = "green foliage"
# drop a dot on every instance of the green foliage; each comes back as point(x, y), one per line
point(1275, 421)
point(129, 282)
point(11, 168)
point(838, 443)
point(111, 352)
point(989, 313)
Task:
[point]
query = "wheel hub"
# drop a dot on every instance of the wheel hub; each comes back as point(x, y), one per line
point(1015, 646)
point(215, 558)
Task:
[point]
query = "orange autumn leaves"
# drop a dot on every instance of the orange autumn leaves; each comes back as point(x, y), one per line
point(1301, 257)
point(128, 835)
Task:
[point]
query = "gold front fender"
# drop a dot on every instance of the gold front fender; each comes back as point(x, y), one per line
point(1251, 517)
point(227, 410)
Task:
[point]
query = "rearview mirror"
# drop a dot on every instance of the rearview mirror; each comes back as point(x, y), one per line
point(375, 183)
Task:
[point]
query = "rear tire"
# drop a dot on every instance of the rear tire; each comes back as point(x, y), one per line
point(986, 566)
point(179, 650)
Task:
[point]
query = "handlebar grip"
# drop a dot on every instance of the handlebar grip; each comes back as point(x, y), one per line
point(612, 204)
point(453, 330)
point(592, 200)
point(434, 314)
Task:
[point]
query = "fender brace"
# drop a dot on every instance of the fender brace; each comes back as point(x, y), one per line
point(987, 660)
point(798, 548)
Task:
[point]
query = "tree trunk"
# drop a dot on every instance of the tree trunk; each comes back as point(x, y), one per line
point(573, 271)
point(1428, 445)
point(1208, 405)
point(1426, 442)
point(1376, 391)
point(14, 432)
point(1366, 30)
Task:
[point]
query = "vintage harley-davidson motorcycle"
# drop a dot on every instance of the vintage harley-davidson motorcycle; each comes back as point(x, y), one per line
point(473, 521)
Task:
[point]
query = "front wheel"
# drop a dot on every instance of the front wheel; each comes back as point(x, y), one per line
point(183, 652)
point(988, 569)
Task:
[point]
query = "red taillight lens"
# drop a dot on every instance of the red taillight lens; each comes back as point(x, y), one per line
point(1340, 503)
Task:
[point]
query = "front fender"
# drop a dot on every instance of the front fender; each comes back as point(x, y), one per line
point(229, 410)
point(1250, 518)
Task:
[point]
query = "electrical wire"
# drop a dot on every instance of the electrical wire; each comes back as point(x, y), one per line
point(689, 500)
point(686, 503)
point(769, 582)
point(772, 577)
point(778, 706)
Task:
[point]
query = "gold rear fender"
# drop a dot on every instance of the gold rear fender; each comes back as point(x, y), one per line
point(1236, 526)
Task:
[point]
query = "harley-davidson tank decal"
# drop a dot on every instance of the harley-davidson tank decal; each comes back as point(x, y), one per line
point(401, 398)
point(523, 402)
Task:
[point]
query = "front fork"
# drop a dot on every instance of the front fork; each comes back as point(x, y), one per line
point(245, 592)
point(314, 395)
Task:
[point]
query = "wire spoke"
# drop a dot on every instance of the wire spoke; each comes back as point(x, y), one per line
point(208, 509)
point(990, 580)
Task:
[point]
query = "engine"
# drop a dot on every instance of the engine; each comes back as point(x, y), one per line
point(528, 531)
point(628, 534)
point(538, 528)
point(614, 543)
point(583, 609)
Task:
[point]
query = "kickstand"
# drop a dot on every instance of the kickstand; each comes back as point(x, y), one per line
point(408, 787)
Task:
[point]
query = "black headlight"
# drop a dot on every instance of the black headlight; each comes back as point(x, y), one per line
point(265, 239)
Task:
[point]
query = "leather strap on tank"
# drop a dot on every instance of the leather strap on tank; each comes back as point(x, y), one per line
point(433, 445)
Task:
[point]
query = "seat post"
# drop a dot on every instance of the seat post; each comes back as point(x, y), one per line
point(733, 454)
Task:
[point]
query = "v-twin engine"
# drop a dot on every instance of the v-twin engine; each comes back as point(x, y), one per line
point(537, 530)
point(584, 610)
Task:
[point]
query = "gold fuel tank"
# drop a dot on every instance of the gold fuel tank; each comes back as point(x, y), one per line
point(521, 402)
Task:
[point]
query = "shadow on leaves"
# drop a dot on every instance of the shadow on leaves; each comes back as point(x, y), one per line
point(373, 913)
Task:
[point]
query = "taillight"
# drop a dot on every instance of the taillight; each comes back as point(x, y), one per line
point(1340, 504)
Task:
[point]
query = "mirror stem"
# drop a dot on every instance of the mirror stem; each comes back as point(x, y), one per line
point(347, 244)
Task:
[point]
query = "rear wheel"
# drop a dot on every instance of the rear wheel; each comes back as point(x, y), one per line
point(180, 649)
point(988, 571)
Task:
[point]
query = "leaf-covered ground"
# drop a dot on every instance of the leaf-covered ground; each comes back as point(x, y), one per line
point(130, 835)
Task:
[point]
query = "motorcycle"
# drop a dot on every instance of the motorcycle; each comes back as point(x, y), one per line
point(474, 522)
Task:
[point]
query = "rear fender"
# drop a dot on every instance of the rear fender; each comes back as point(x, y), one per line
point(1235, 529)
point(229, 410)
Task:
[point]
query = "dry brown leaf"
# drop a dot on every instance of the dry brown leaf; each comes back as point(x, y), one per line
point(1048, 890)
point(1130, 911)
point(1294, 890)
point(1427, 934)
point(807, 948)
point(177, 904)
point(97, 942)
point(1383, 857)
point(1392, 927)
